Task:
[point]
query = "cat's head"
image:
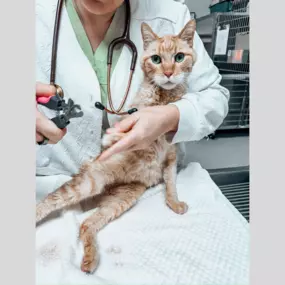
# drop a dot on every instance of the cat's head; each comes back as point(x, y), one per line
point(167, 61)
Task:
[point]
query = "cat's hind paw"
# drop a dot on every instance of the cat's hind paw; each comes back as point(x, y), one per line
point(89, 263)
point(90, 258)
point(178, 207)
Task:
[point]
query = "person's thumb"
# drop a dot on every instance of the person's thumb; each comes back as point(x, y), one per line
point(44, 90)
point(127, 124)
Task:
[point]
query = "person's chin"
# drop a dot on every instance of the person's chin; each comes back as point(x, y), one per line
point(168, 85)
point(97, 7)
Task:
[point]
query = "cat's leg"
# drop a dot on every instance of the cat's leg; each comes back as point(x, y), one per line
point(169, 176)
point(112, 205)
point(87, 183)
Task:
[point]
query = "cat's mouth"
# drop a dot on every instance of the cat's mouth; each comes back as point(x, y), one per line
point(168, 85)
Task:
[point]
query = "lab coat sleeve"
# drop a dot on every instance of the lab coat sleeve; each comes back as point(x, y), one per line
point(204, 107)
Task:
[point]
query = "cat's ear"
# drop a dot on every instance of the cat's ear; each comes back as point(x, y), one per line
point(188, 32)
point(148, 35)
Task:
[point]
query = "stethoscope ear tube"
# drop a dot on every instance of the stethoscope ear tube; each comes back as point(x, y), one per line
point(99, 106)
point(55, 41)
point(133, 110)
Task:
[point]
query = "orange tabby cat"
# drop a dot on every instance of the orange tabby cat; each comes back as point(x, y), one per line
point(119, 181)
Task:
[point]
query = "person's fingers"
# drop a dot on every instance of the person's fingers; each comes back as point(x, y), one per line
point(137, 147)
point(112, 130)
point(48, 129)
point(45, 128)
point(126, 124)
point(122, 145)
point(39, 137)
point(44, 90)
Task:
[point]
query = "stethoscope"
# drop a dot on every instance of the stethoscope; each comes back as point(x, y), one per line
point(124, 39)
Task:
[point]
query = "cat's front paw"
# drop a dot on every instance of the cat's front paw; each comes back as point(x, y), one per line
point(109, 139)
point(178, 207)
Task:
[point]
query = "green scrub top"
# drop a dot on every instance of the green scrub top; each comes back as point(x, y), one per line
point(98, 59)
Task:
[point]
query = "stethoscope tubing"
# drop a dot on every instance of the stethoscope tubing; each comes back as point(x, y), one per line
point(124, 39)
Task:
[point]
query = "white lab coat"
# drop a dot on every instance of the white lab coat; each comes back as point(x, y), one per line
point(202, 109)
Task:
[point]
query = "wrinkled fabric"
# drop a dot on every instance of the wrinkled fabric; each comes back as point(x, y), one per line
point(150, 244)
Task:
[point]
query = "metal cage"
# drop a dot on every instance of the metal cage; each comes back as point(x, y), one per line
point(233, 62)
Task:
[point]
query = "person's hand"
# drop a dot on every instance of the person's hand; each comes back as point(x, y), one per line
point(142, 128)
point(45, 128)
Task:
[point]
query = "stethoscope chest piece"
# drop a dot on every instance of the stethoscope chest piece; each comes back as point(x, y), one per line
point(59, 90)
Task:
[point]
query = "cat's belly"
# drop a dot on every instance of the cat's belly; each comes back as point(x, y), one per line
point(129, 167)
point(149, 174)
point(143, 166)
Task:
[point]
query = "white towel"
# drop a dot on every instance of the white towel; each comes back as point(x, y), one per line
point(150, 244)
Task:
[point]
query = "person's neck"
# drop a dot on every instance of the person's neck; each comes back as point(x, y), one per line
point(95, 26)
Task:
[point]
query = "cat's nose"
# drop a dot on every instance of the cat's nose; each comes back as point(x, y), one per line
point(168, 73)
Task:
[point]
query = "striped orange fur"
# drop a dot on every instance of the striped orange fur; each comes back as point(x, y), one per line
point(118, 182)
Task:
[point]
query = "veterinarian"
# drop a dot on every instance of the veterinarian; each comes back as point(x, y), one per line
point(86, 29)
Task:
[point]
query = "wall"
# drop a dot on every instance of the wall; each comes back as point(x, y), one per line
point(200, 7)
point(221, 152)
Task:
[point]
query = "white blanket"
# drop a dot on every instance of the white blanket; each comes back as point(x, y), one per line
point(152, 245)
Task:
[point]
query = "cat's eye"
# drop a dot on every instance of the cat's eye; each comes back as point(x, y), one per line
point(179, 57)
point(156, 59)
